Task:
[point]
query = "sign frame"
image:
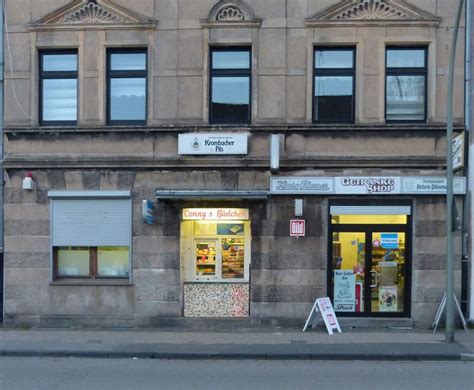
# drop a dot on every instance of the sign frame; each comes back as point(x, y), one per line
point(300, 225)
point(213, 143)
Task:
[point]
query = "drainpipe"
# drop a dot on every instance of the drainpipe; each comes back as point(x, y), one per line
point(2, 306)
point(469, 215)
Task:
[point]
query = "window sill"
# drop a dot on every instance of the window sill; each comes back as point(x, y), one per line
point(91, 282)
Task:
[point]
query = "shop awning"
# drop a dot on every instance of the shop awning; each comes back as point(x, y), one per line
point(210, 195)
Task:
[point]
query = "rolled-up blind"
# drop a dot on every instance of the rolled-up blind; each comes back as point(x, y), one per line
point(370, 210)
point(91, 222)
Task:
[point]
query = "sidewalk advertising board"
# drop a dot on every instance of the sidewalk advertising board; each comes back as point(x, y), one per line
point(323, 306)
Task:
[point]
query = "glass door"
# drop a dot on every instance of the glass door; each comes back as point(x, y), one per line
point(368, 272)
point(387, 272)
point(349, 265)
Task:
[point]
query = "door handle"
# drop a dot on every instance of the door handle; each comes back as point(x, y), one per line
point(376, 278)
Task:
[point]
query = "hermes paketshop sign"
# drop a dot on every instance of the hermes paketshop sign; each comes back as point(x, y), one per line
point(213, 143)
point(215, 214)
point(302, 185)
point(367, 185)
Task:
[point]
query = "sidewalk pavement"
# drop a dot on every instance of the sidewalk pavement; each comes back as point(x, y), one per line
point(269, 343)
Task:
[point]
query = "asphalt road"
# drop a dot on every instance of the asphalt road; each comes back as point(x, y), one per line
point(136, 374)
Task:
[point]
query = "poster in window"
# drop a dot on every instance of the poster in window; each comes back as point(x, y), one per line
point(344, 291)
point(388, 298)
point(230, 229)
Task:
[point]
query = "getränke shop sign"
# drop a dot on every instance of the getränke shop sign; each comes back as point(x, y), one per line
point(367, 185)
point(215, 214)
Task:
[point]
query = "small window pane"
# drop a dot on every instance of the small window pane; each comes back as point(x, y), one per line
point(231, 60)
point(128, 99)
point(405, 98)
point(59, 99)
point(399, 58)
point(113, 261)
point(333, 59)
point(73, 261)
point(230, 98)
point(333, 98)
point(59, 62)
point(128, 61)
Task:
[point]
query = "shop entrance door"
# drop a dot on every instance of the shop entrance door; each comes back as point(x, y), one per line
point(369, 269)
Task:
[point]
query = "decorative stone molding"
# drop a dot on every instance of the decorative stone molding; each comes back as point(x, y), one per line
point(383, 12)
point(231, 13)
point(93, 14)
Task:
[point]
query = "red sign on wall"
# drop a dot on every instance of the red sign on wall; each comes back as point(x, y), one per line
point(297, 227)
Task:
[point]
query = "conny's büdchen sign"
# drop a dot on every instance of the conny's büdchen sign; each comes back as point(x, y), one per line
point(213, 143)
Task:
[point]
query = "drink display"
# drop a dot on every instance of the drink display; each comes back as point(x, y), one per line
point(233, 258)
point(205, 258)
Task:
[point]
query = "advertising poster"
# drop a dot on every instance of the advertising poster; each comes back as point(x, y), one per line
point(388, 298)
point(344, 290)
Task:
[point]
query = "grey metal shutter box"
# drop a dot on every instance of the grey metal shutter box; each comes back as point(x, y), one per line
point(91, 222)
point(370, 210)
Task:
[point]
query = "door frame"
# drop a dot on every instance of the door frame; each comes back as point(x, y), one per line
point(368, 229)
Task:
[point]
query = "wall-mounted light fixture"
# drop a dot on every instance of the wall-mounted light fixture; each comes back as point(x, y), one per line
point(298, 207)
point(274, 152)
point(28, 183)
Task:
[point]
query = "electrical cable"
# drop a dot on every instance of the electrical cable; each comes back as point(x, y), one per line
point(11, 62)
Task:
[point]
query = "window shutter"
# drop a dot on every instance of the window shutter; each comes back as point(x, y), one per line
point(91, 222)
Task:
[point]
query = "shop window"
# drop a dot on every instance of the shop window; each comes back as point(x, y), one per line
point(334, 85)
point(230, 85)
point(127, 87)
point(406, 90)
point(91, 236)
point(92, 262)
point(58, 88)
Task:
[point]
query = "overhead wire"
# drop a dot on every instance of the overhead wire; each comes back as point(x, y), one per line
point(12, 81)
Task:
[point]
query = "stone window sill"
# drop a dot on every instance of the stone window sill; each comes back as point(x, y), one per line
point(91, 282)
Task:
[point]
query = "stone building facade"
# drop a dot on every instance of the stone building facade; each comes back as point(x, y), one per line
point(370, 164)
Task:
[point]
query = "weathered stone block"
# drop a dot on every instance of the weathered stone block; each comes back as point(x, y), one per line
point(286, 293)
point(189, 97)
point(156, 276)
point(27, 260)
point(26, 228)
point(190, 53)
point(153, 292)
point(286, 261)
point(288, 277)
point(30, 244)
point(280, 309)
point(424, 228)
point(271, 97)
point(272, 48)
point(156, 260)
point(91, 180)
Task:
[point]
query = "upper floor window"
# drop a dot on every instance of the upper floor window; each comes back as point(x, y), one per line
point(334, 85)
point(127, 86)
point(230, 85)
point(406, 74)
point(58, 87)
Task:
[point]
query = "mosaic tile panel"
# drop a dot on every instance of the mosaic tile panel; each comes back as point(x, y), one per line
point(216, 300)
